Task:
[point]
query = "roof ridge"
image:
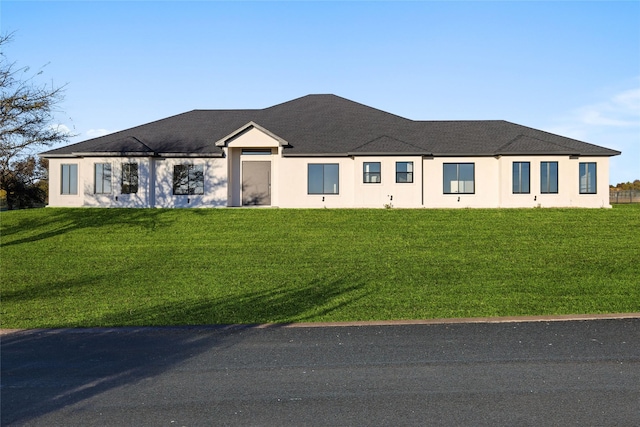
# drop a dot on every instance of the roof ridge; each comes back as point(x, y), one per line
point(387, 136)
point(463, 121)
point(555, 135)
point(140, 141)
point(521, 135)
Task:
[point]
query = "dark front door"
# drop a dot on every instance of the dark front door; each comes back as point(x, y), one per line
point(256, 183)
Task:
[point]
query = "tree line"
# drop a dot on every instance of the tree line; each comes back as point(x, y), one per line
point(622, 186)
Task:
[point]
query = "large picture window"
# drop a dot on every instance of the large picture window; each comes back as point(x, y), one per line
point(404, 172)
point(549, 177)
point(188, 179)
point(521, 176)
point(129, 178)
point(459, 178)
point(371, 171)
point(323, 178)
point(102, 178)
point(69, 179)
point(587, 178)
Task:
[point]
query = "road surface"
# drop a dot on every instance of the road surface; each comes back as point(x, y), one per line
point(485, 374)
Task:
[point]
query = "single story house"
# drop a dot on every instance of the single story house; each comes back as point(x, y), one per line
point(326, 151)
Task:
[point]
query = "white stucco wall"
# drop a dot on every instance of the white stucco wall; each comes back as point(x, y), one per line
point(388, 191)
point(568, 183)
point(155, 183)
point(215, 184)
point(86, 183)
point(486, 183)
point(294, 186)
point(494, 183)
point(55, 180)
point(289, 181)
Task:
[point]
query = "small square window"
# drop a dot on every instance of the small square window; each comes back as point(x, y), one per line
point(371, 172)
point(404, 172)
point(188, 179)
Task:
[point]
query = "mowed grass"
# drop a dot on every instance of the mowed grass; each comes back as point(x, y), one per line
point(114, 267)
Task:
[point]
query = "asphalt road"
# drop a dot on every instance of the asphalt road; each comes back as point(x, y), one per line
point(584, 373)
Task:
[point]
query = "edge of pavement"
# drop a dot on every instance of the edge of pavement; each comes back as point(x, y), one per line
point(442, 321)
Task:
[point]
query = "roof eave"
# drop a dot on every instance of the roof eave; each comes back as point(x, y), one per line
point(383, 153)
point(191, 155)
point(48, 155)
point(527, 153)
point(114, 154)
point(560, 153)
point(285, 154)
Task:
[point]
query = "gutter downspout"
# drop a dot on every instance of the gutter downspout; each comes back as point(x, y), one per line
point(152, 182)
point(500, 183)
point(422, 184)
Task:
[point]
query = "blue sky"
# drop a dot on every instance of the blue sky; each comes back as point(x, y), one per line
point(571, 68)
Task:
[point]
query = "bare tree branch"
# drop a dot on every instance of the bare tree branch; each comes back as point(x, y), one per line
point(27, 119)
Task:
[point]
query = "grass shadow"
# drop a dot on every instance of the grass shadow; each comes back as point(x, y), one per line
point(59, 221)
point(44, 371)
point(282, 305)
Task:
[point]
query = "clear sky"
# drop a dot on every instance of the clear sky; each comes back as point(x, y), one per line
point(571, 68)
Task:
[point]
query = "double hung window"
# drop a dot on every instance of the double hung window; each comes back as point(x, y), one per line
point(69, 179)
point(188, 179)
point(459, 178)
point(521, 177)
point(371, 172)
point(549, 177)
point(323, 178)
point(102, 179)
point(129, 178)
point(587, 178)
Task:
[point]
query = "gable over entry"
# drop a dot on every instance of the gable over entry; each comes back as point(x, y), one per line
point(252, 155)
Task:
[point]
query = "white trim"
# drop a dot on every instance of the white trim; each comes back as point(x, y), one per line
point(223, 142)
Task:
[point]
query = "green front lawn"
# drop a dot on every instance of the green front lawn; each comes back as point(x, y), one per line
point(110, 267)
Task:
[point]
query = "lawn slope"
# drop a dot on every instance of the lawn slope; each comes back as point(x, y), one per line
point(111, 267)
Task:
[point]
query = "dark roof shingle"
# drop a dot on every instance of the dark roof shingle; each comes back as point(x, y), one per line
point(330, 125)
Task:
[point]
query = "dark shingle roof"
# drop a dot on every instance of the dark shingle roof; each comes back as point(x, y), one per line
point(330, 125)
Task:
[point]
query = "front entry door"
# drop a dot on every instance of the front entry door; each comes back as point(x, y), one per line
point(256, 183)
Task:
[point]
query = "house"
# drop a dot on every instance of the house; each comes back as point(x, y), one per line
point(326, 151)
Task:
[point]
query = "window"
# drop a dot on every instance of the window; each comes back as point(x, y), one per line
point(459, 178)
point(587, 178)
point(256, 151)
point(521, 177)
point(549, 177)
point(371, 172)
point(404, 172)
point(188, 179)
point(102, 178)
point(129, 178)
point(323, 179)
point(69, 179)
